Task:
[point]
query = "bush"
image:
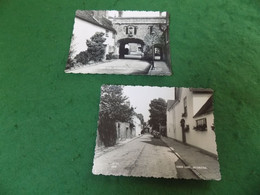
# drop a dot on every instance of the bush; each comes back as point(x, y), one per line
point(96, 47)
point(107, 131)
point(70, 61)
point(111, 56)
point(82, 57)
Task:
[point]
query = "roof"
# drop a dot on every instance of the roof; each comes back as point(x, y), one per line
point(88, 16)
point(201, 90)
point(206, 108)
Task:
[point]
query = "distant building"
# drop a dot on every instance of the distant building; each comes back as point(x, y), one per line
point(86, 24)
point(190, 118)
point(137, 125)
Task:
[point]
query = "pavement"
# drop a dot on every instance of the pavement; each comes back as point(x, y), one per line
point(202, 165)
point(118, 66)
point(144, 156)
point(160, 68)
point(99, 151)
point(128, 66)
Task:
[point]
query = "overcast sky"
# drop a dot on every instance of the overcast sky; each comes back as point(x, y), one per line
point(137, 13)
point(140, 97)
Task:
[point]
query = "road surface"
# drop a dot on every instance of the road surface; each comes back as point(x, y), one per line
point(144, 156)
point(119, 66)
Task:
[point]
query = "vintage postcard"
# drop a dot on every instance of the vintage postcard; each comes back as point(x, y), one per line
point(162, 132)
point(120, 42)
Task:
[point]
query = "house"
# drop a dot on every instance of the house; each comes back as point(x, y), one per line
point(86, 24)
point(190, 118)
point(124, 131)
point(137, 125)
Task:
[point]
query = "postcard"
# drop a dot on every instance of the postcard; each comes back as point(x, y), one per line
point(161, 132)
point(120, 42)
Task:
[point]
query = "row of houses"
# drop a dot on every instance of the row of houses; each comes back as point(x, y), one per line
point(190, 118)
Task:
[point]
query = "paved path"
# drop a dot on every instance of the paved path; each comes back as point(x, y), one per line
point(119, 66)
point(160, 68)
point(144, 156)
point(205, 166)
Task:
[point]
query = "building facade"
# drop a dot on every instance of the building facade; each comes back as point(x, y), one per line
point(124, 131)
point(137, 125)
point(190, 118)
point(86, 24)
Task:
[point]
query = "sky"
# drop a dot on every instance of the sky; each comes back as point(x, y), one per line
point(140, 97)
point(137, 13)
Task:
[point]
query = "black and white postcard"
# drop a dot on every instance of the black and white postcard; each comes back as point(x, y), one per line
point(120, 42)
point(161, 132)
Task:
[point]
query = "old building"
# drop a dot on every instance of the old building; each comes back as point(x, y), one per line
point(124, 131)
point(137, 125)
point(190, 118)
point(136, 34)
point(86, 24)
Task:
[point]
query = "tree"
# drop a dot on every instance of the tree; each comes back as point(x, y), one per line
point(96, 47)
point(113, 107)
point(95, 50)
point(157, 113)
point(141, 118)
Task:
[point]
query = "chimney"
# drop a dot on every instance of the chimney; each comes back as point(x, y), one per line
point(120, 14)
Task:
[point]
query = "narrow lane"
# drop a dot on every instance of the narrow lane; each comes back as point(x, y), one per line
point(144, 156)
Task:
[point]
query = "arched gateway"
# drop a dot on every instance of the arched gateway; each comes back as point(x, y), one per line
point(130, 47)
point(138, 35)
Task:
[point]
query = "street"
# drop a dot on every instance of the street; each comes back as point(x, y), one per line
point(144, 156)
point(119, 66)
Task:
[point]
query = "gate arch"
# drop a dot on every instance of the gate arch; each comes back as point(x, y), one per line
point(122, 45)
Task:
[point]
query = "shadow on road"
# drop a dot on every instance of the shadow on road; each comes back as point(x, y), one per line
point(156, 142)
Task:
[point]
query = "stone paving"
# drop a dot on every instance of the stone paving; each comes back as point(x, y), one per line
point(119, 66)
point(123, 66)
point(203, 165)
point(160, 68)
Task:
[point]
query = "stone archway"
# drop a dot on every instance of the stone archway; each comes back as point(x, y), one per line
point(130, 48)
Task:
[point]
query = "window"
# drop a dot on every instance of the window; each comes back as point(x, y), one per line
point(185, 114)
point(126, 30)
point(135, 30)
point(201, 124)
point(151, 29)
point(130, 31)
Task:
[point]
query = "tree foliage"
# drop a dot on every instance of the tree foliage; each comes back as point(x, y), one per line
point(113, 107)
point(95, 51)
point(141, 118)
point(96, 47)
point(156, 38)
point(157, 113)
point(82, 57)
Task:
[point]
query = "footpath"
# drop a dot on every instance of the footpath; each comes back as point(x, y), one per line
point(160, 68)
point(201, 164)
